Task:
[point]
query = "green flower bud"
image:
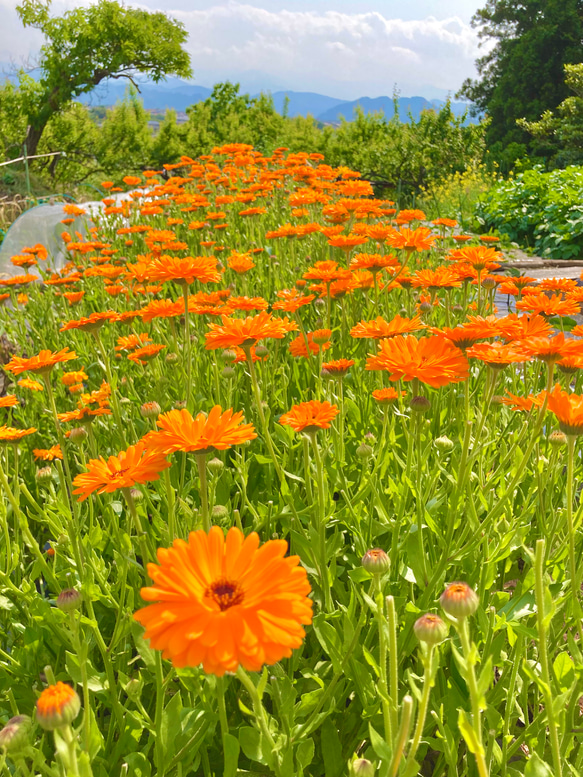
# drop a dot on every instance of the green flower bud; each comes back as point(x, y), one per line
point(430, 629)
point(420, 404)
point(362, 767)
point(69, 600)
point(443, 444)
point(16, 734)
point(459, 600)
point(558, 439)
point(376, 561)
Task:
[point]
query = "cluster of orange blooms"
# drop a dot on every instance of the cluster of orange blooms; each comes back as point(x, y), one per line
point(371, 245)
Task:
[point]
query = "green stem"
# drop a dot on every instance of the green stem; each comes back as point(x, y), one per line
point(403, 734)
point(575, 588)
point(470, 677)
point(393, 659)
point(222, 713)
point(539, 589)
point(260, 716)
point(187, 349)
point(321, 524)
point(204, 504)
point(113, 386)
point(160, 764)
point(429, 664)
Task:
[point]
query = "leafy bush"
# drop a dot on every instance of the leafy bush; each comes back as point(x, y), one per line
point(543, 210)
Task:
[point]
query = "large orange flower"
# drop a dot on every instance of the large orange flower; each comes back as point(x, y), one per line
point(568, 408)
point(432, 360)
point(92, 323)
point(379, 328)
point(224, 602)
point(440, 278)
point(549, 306)
point(10, 434)
point(291, 300)
point(181, 432)
point(42, 364)
point(184, 270)
point(136, 465)
point(9, 400)
point(419, 239)
point(327, 272)
point(247, 331)
point(513, 327)
point(551, 349)
point(310, 416)
point(497, 355)
point(373, 262)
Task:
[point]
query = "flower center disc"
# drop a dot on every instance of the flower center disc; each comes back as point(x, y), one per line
point(225, 593)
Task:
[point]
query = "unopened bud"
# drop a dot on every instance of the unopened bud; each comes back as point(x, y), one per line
point(457, 309)
point(220, 512)
point(557, 439)
point(459, 600)
point(362, 767)
point(228, 356)
point(68, 600)
point(319, 304)
point(430, 629)
point(228, 372)
point(497, 400)
point(425, 307)
point(488, 283)
point(321, 336)
point(215, 465)
point(44, 475)
point(376, 561)
point(180, 404)
point(172, 358)
point(261, 351)
point(58, 705)
point(420, 404)
point(15, 735)
point(364, 451)
point(443, 444)
point(150, 410)
point(136, 494)
point(78, 434)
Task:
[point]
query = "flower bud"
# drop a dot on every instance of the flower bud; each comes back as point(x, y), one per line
point(370, 438)
point(364, 451)
point(459, 600)
point(321, 336)
point(215, 465)
point(78, 434)
point(58, 705)
point(488, 283)
point(443, 444)
point(261, 351)
point(557, 439)
point(376, 561)
point(228, 355)
point(430, 629)
point(425, 307)
point(319, 304)
point(420, 404)
point(457, 309)
point(136, 494)
point(69, 600)
point(497, 400)
point(180, 404)
point(362, 767)
point(16, 734)
point(172, 358)
point(220, 512)
point(228, 372)
point(150, 410)
point(44, 475)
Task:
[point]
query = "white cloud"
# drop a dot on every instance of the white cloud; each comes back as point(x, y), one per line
point(343, 54)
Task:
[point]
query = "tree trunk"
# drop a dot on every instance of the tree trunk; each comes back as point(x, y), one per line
point(33, 136)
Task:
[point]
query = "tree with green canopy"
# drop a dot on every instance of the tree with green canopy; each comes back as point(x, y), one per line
point(86, 46)
point(521, 76)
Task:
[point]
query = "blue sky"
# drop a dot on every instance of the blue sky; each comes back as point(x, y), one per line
point(343, 48)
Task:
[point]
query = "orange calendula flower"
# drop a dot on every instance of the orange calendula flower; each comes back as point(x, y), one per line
point(10, 400)
point(224, 602)
point(513, 327)
point(162, 308)
point(18, 280)
point(310, 416)
point(48, 454)
point(73, 297)
point(203, 434)
point(246, 303)
point(431, 360)
point(440, 278)
point(72, 378)
point(184, 270)
point(497, 355)
point(43, 363)
point(326, 272)
point(337, 368)
point(135, 465)
point(524, 404)
point(10, 434)
point(411, 215)
point(291, 300)
point(568, 409)
point(247, 331)
point(31, 385)
point(240, 263)
point(549, 306)
point(420, 239)
point(373, 262)
point(130, 342)
point(379, 328)
point(346, 242)
point(91, 323)
point(386, 396)
point(551, 349)
point(145, 354)
point(298, 346)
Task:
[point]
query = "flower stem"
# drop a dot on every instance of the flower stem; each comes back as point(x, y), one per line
point(470, 677)
point(428, 678)
point(204, 504)
point(321, 524)
point(260, 716)
point(539, 590)
point(575, 590)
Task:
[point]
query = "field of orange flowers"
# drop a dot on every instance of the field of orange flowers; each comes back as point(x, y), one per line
point(282, 494)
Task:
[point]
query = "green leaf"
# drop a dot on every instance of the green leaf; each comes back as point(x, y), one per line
point(537, 768)
point(469, 734)
point(381, 747)
point(331, 749)
point(250, 741)
point(170, 726)
point(231, 755)
point(305, 753)
point(564, 670)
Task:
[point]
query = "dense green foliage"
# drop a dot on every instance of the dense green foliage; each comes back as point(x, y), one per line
point(541, 209)
point(86, 46)
point(559, 135)
point(399, 156)
point(522, 75)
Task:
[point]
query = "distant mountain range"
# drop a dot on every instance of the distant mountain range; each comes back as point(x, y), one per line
point(178, 94)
